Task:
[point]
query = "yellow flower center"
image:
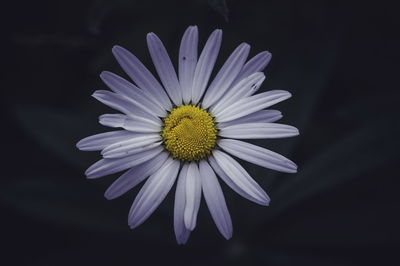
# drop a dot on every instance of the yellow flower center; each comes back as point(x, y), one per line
point(189, 133)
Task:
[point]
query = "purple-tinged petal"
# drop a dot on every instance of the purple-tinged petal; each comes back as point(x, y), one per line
point(193, 196)
point(141, 76)
point(205, 65)
point(258, 131)
point(258, 155)
point(132, 146)
point(100, 141)
point(215, 200)
point(181, 232)
point(122, 104)
point(236, 177)
point(244, 88)
point(226, 75)
point(112, 120)
point(188, 61)
point(132, 123)
point(255, 64)
point(134, 176)
point(135, 95)
point(153, 192)
point(110, 166)
point(164, 68)
point(140, 124)
point(262, 116)
point(251, 104)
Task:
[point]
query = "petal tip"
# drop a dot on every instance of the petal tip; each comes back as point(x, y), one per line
point(292, 166)
point(104, 74)
point(245, 45)
point(267, 54)
point(288, 94)
point(227, 235)
point(108, 195)
point(150, 36)
point(79, 145)
point(115, 49)
point(133, 223)
point(217, 32)
point(89, 174)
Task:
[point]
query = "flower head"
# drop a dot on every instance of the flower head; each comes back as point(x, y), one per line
point(185, 129)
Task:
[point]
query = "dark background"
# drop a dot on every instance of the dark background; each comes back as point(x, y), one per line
point(339, 60)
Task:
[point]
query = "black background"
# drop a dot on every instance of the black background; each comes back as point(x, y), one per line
point(339, 60)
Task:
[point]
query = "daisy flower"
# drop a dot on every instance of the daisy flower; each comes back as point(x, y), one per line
point(187, 130)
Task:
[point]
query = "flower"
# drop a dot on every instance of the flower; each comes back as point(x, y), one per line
point(185, 129)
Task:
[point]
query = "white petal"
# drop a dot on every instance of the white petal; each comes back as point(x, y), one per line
point(132, 123)
point(205, 65)
point(100, 141)
point(140, 124)
point(113, 100)
point(164, 68)
point(251, 104)
point(153, 192)
point(112, 120)
point(262, 116)
point(188, 61)
point(258, 131)
point(193, 196)
point(256, 64)
point(134, 176)
point(122, 104)
point(215, 200)
point(111, 166)
point(258, 155)
point(226, 75)
point(181, 232)
point(135, 95)
point(236, 177)
point(242, 89)
point(141, 76)
point(131, 146)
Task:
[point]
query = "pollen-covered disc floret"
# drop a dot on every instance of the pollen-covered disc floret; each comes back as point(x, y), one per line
point(189, 133)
